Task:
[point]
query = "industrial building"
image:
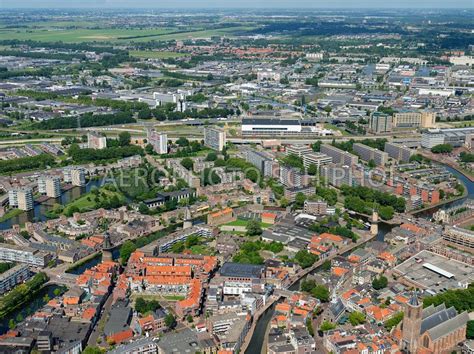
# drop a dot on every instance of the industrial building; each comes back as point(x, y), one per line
point(282, 127)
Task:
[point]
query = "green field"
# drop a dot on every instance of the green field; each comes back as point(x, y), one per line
point(11, 214)
point(147, 54)
point(54, 34)
point(240, 222)
point(87, 201)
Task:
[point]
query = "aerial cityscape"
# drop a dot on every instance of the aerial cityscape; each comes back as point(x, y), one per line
point(230, 177)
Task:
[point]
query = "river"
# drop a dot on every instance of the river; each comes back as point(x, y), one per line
point(40, 209)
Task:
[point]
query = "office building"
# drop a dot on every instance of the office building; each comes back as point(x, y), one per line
point(413, 119)
point(96, 141)
point(12, 277)
point(50, 186)
point(339, 157)
point(214, 138)
point(75, 175)
point(21, 198)
point(380, 123)
point(368, 153)
point(455, 136)
point(317, 159)
point(398, 152)
point(27, 255)
point(298, 150)
point(159, 141)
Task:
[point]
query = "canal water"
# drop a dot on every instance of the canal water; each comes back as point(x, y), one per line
point(28, 309)
point(40, 209)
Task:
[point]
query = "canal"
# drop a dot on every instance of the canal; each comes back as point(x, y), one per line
point(30, 308)
point(40, 209)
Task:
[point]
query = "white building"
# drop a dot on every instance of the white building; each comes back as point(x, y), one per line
point(214, 138)
point(50, 186)
point(159, 141)
point(96, 141)
point(75, 175)
point(22, 198)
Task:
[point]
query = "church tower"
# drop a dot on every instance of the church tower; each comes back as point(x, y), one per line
point(411, 325)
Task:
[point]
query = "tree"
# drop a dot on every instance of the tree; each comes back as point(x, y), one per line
point(380, 283)
point(312, 169)
point(124, 138)
point(190, 319)
point(372, 164)
point(470, 330)
point(327, 326)
point(305, 259)
point(149, 149)
point(321, 292)
point(187, 163)
point(284, 202)
point(126, 250)
point(11, 324)
point(182, 142)
point(253, 228)
point(326, 266)
point(170, 321)
point(356, 318)
point(299, 200)
point(143, 208)
point(212, 156)
point(442, 149)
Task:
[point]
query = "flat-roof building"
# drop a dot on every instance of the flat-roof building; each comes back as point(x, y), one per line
point(339, 156)
point(368, 153)
point(398, 152)
point(214, 138)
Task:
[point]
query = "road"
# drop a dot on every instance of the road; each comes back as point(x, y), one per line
point(104, 314)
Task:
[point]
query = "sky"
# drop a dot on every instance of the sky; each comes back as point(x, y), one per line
point(173, 4)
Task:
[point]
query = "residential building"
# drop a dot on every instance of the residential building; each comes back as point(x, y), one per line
point(50, 186)
point(398, 152)
point(75, 175)
point(339, 156)
point(21, 198)
point(159, 141)
point(96, 141)
point(291, 193)
point(27, 255)
point(214, 138)
point(263, 162)
point(13, 276)
point(318, 207)
point(339, 175)
point(368, 153)
point(292, 177)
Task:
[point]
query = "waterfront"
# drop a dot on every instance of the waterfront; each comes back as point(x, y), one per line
point(28, 309)
point(40, 209)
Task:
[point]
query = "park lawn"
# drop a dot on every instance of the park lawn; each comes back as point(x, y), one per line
point(201, 249)
point(149, 54)
point(84, 204)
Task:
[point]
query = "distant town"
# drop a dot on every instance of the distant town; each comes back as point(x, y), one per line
point(248, 181)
